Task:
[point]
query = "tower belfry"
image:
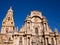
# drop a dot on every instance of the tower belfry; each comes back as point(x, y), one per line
point(8, 22)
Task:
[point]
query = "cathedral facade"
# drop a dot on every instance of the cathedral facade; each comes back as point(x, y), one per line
point(35, 31)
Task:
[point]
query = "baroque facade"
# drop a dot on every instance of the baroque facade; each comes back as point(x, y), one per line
point(35, 31)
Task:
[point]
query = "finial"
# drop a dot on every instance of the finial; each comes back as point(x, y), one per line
point(56, 30)
point(10, 7)
point(17, 28)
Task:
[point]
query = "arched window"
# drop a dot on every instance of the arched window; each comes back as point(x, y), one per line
point(9, 38)
point(45, 26)
point(11, 22)
point(36, 30)
point(3, 22)
point(7, 29)
point(28, 25)
point(8, 18)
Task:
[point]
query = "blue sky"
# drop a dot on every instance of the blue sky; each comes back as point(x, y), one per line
point(21, 8)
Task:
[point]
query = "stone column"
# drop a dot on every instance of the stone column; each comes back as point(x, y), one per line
point(23, 41)
point(50, 41)
point(27, 41)
point(43, 41)
point(46, 41)
point(16, 41)
point(54, 41)
point(30, 40)
point(57, 41)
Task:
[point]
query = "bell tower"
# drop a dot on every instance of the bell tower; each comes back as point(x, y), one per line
point(8, 22)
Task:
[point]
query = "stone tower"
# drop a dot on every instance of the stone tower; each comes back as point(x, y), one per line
point(8, 22)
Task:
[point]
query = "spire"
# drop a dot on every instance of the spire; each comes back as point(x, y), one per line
point(8, 21)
